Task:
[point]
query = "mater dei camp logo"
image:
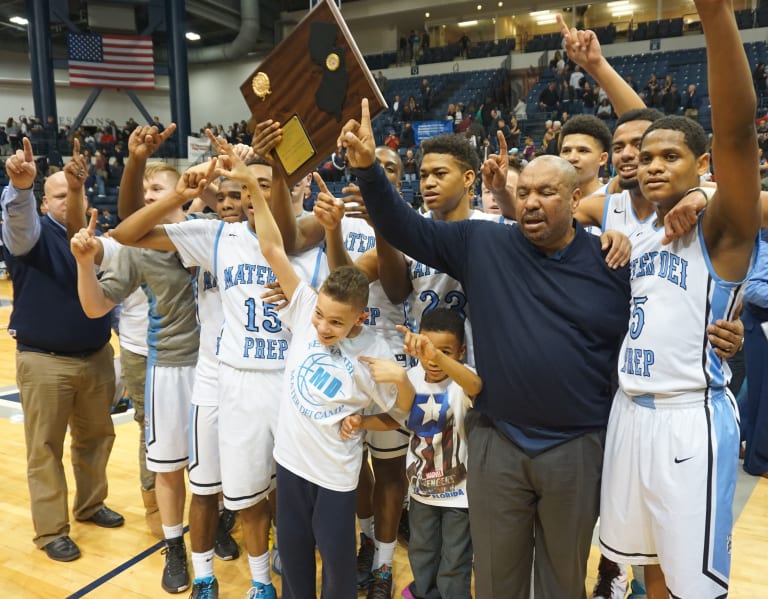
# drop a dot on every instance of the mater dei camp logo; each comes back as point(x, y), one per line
point(317, 382)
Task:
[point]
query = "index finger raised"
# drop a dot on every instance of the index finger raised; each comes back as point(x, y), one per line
point(320, 183)
point(29, 155)
point(92, 222)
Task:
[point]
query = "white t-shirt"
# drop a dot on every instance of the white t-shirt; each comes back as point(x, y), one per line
point(134, 319)
point(437, 454)
point(323, 385)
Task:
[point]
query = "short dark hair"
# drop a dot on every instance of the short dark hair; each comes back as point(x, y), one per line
point(587, 124)
point(398, 159)
point(639, 114)
point(257, 160)
point(444, 320)
point(693, 133)
point(347, 284)
point(455, 145)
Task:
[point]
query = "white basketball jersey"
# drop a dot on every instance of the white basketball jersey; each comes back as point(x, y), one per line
point(210, 316)
point(619, 214)
point(434, 289)
point(252, 336)
point(383, 315)
point(675, 295)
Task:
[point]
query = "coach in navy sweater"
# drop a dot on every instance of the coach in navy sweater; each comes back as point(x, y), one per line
point(548, 316)
point(64, 367)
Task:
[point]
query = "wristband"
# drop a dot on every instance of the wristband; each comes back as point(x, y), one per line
point(700, 189)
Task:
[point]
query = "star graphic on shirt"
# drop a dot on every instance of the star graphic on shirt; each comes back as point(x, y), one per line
point(431, 410)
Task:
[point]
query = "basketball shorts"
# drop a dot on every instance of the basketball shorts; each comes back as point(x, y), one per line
point(248, 401)
point(167, 399)
point(669, 476)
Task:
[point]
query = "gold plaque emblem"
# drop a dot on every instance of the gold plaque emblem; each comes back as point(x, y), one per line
point(260, 85)
point(332, 61)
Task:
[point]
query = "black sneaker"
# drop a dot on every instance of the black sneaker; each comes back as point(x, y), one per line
point(381, 584)
point(611, 580)
point(227, 519)
point(205, 588)
point(225, 547)
point(365, 561)
point(175, 574)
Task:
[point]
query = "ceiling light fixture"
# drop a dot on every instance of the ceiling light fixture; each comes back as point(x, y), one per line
point(192, 36)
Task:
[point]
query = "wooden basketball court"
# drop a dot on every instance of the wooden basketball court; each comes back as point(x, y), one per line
point(126, 562)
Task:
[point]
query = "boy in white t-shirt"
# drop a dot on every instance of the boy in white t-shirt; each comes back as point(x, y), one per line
point(440, 546)
point(332, 369)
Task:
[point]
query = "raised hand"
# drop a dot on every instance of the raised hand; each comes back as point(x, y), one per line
point(496, 167)
point(328, 210)
point(357, 137)
point(354, 207)
point(417, 345)
point(76, 170)
point(582, 46)
point(192, 183)
point(275, 296)
point(384, 371)
point(231, 165)
point(244, 151)
point(21, 167)
point(83, 244)
point(145, 140)
point(266, 137)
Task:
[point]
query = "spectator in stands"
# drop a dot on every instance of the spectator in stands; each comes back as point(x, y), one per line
point(397, 109)
point(106, 221)
point(392, 140)
point(567, 95)
point(107, 140)
point(668, 82)
point(407, 136)
point(410, 166)
point(158, 124)
point(521, 110)
point(631, 82)
point(529, 150)
point(551, 145)
point(691, 102)
point(425, 41)
point(339, 162)
point(760, 79)
point(549, 100)
point(653, 92)
point(464, 43)
point(426, 95)
point(576, 77)
point(101, 172)
point(12, 130)
point(588, 98)
point(5, 146)
point(413, 42)
point(382, 82)
point(411, 111)
point(514, 129)
point(502, 126)
point(671, 100)
point(604, 110)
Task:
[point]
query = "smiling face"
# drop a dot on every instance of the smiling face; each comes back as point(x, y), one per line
point(334, 320)
point(626, 149)
point(667, 167)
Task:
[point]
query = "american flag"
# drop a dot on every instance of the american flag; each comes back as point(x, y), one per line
point(110, 61)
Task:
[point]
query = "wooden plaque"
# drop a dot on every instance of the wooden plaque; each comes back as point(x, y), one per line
point(312, 83)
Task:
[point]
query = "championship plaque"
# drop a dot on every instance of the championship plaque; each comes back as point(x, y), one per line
point(312, 83)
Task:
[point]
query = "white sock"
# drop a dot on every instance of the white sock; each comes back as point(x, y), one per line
point(260, 568)
point(173, 532)
point(384, 554)
point(366, 525)
point(202, 564)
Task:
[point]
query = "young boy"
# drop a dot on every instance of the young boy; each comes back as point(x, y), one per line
point(440, 546)
point(317, 471)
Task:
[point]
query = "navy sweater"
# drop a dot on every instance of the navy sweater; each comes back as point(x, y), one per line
point(47, 315)
point(546, 329)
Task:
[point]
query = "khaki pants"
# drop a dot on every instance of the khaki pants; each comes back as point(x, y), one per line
point(57, 391)
point(134, 368)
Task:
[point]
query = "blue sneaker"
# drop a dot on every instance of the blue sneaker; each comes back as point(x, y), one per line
point(277, 564)
point(638, 591)
point(205, 588)
point(262, 591)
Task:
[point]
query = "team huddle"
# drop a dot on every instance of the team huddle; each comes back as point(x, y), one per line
point(510, 373)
